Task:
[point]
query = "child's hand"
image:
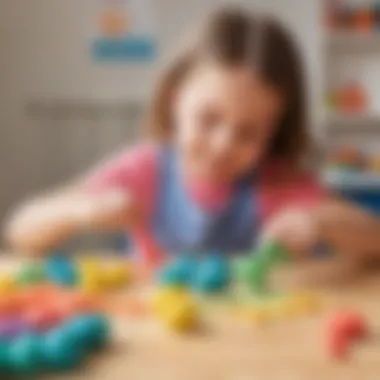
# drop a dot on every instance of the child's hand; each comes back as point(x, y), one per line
point(296, 229)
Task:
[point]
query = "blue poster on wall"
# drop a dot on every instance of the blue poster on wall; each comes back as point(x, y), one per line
point(124, 32)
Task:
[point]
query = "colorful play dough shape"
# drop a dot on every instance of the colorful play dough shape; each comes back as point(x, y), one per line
point(60, 351)
point(254, 270)
point(212, 275)
point(116, 275)
point(342, 330)
point(91, 282)
point(4, 357)
point(9, 305)
point(30, 274)
point(179, 272)
point(42, 318)
point(12, 327)
point(78, 303)
point(61, 271)
point(91, 331)
point(7, 285)
point(25, 355)
point(90, 276)
point(175, 309)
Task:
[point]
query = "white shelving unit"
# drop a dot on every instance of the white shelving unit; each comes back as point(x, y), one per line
point(343, 49)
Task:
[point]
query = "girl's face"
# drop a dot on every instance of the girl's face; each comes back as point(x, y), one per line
point(225, 118)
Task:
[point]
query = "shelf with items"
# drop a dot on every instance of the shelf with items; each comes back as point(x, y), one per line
point(352, 117)
point(352, 168)
point(352, 16)
point(347, 106)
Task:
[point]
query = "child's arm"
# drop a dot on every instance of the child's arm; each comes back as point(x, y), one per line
point(300, 213)
point(42, 223)
point(114, 196)
point(346, 228)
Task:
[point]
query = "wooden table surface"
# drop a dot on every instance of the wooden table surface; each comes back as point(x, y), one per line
point(226, 350)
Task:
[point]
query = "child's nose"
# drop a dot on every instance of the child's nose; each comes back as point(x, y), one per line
point(223, 141)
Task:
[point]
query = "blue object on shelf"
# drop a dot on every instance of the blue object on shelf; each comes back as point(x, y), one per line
point(124, 49)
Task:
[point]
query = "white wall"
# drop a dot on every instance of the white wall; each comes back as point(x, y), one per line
point(44, 47)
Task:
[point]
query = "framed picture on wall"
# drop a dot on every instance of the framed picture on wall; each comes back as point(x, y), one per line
point(124, 32)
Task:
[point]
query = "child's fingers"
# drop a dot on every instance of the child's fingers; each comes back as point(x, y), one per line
point(295, 229)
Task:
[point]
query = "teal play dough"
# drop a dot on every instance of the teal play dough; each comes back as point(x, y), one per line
point(212, 275)
point(4, 357)
point(179, 272)
point(60, 351)
point(61, 271)
point(91, 331)
point(25, 355)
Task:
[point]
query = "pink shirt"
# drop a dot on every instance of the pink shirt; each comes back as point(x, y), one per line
point(137, 171)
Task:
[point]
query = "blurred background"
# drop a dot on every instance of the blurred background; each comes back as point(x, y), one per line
point(75, 76)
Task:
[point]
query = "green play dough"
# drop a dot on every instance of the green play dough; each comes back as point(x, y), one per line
point(30, 274)
point(254, 270)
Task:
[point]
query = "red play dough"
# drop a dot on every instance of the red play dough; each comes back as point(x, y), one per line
point(80, 303)
point(9, 305)
point(71, 304)
point(342, 330)
point(351, 324)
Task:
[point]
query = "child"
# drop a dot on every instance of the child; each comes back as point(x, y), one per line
point(231, 139)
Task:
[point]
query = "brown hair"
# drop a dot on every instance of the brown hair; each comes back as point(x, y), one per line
point(230, 37)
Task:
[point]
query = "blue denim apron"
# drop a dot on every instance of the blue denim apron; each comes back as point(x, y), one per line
point(180, 225)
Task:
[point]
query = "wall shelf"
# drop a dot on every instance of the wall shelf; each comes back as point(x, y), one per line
point(340, 123)
point(351, 41)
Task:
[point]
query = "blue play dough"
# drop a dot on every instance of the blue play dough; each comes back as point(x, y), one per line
point(212, 275)
point(25, 354)
point(179, 272)
point(91, 331)
point(59, 350)
point(60, 270)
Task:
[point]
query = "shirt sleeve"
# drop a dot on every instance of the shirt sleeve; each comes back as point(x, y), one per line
point(279, 190)
point(133, 170)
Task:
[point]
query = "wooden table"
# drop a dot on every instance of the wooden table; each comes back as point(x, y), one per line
point(287, 350)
